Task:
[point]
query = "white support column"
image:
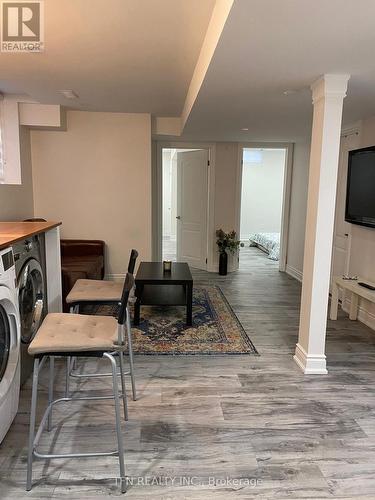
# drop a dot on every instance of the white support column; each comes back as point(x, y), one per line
point(328, 94)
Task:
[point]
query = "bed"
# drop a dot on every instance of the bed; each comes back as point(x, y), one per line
point(268, 242)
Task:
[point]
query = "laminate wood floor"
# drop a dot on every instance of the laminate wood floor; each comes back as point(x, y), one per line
point(234, 426)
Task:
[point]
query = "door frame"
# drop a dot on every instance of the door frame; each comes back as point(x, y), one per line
point(287, 189)
point(157, 196)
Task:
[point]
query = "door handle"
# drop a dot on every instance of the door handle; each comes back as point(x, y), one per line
point(178, 217)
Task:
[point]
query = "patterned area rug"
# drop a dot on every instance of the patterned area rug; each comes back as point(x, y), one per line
point(162, 330)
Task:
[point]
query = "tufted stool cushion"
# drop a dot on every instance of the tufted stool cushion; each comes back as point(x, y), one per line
point(95, 291)
point(64, 332)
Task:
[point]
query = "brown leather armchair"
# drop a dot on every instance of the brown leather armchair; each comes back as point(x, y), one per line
point(80, 259)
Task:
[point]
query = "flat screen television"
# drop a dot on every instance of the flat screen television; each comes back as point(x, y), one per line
point(360, 192)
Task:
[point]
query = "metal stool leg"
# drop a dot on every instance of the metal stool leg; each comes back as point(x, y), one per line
point(73, 310)
point(123, 386)
point(131, 361)
point(50, 389)
point(73, 364)
point(67, 377)
point(32, 425)
point(120, 443)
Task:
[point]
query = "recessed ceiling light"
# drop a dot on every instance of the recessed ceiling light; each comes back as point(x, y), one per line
point(244, 129)
point(69, 94)
point(289, 92)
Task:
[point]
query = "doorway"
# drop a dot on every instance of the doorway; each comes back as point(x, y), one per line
point(184, 178)
point(264, 212)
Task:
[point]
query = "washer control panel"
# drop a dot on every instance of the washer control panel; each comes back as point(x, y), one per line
point(21, 250)
point(7, 260)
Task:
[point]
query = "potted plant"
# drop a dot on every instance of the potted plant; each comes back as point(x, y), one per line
point(226, 242)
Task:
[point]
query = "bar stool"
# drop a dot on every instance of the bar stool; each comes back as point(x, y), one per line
point(64, 334)
point(97, 292)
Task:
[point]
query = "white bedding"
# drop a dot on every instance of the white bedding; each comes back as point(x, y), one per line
point(269, 242)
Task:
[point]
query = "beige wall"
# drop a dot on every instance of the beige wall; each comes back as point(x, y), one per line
point(16, 200)
point(298, 207)
point(226, 171)
point(96, 179)
point(226, 192)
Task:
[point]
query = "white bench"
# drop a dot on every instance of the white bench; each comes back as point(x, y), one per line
point(356, 292)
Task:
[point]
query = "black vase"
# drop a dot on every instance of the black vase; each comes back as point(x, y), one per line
point(223, 263)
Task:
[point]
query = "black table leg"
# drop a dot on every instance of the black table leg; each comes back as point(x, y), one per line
point(137, 305)
point(189, 305)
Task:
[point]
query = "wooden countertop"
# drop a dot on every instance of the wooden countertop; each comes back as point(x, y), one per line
point(11, 232)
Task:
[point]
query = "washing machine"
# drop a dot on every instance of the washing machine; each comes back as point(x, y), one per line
point(10, 339)
point(32, 296)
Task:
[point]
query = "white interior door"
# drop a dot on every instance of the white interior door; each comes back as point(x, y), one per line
point(192, 202)
point(341, 237)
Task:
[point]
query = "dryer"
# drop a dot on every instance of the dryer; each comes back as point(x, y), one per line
point(9, 342)
point(32, 297)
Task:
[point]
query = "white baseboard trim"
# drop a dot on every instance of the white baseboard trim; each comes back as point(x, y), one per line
point(310, 364)
point(293, 272)
point(364, 315)
point(213, 269)
point(114, 277)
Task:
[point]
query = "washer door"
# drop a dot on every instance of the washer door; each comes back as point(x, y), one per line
point(9, 340)
point(30, 299)
point(4, 340)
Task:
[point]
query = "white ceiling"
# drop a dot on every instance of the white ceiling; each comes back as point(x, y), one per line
point(117, 55)
point(139, 56)
point(269, 46)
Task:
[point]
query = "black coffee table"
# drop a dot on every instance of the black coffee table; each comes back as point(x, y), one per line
point(154, 287)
